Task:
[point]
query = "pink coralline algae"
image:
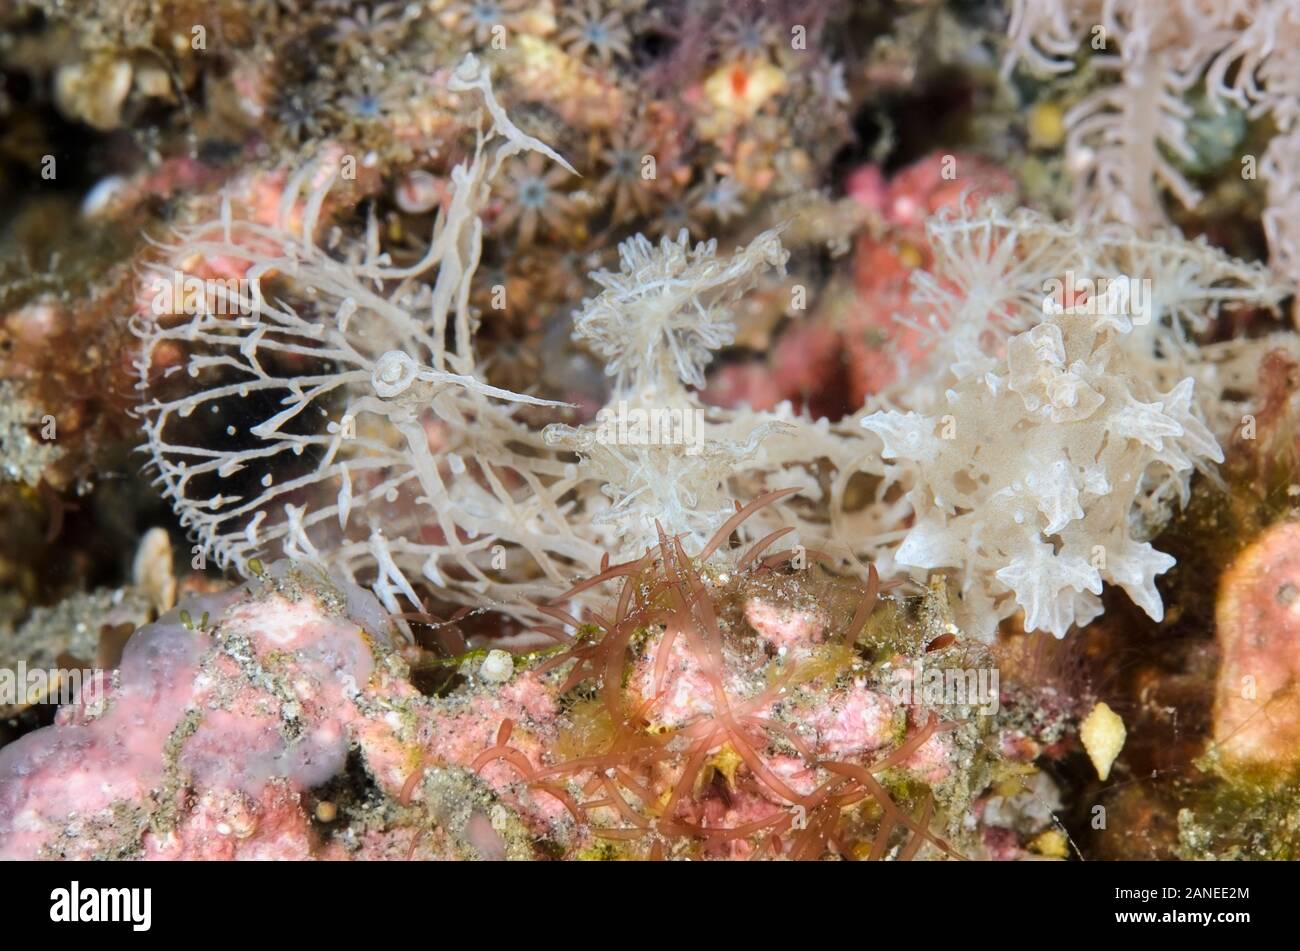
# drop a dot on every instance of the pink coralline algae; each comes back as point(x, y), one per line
point(279, 720)
point(935, 183)
point(207, 737)
point(221, 723)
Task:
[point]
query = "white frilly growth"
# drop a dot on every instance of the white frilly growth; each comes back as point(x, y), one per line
point(1025, 487)
point(668, 308)
point(1049, 439)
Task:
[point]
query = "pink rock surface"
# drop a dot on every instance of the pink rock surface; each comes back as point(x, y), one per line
point(784, 627)
point(217, 731)
point(1257, 705)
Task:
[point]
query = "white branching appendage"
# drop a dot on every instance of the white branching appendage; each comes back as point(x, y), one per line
point(327, 406)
